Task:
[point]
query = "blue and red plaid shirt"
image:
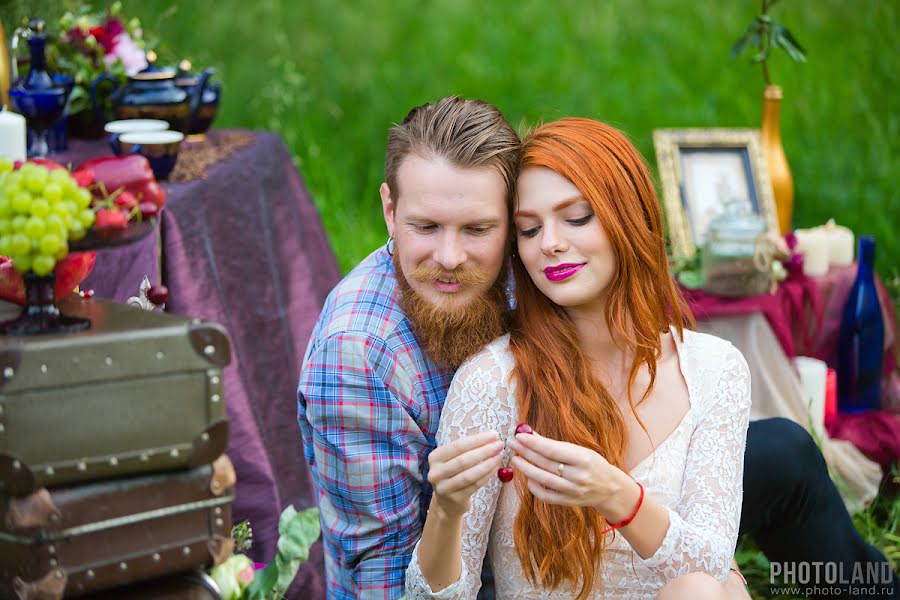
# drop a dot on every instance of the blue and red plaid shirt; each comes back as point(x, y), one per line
point(369, 402)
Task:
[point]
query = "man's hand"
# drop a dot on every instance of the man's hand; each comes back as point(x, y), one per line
point(458, 469)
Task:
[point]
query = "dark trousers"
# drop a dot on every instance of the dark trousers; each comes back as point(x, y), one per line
point(796, 515)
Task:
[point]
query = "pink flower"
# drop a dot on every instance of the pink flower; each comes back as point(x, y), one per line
point(245, 576)
point(126, 50)
point(791, 239)
point(114, 27)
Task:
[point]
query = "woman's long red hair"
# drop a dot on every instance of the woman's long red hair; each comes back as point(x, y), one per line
point(558, 393)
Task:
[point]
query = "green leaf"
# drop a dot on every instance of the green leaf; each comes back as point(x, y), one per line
point(263, 582)
point(789, 43)
point(298, 532)
point(742, 43)
point(692, 280)
point(287, 570)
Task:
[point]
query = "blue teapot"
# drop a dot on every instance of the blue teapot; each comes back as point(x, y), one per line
point(209, 103)
point(153, 94)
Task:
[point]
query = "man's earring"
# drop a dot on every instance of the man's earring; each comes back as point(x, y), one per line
point(389, 246)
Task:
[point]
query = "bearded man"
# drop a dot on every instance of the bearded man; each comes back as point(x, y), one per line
point(391, 334)
point(393, 331)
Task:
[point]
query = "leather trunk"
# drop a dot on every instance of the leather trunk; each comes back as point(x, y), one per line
point(137, 392)
point(194, 585)
point(73, 541)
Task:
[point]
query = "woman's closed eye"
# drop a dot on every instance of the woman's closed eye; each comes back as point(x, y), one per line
point(581, 220)
point(532, 231)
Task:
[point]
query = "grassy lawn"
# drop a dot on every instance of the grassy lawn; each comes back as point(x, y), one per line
point(331, 76)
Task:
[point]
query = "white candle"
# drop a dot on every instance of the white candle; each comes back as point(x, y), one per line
point(12, 135)
point(814, 245)
point(840, 244)
point(812, 384)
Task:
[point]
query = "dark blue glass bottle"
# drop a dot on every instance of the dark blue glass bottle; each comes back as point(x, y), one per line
point(861, 343)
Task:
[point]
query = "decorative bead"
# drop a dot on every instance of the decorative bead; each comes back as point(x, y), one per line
point(209, 350)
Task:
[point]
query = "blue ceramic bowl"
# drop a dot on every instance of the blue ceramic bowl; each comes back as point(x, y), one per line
point(158, 147)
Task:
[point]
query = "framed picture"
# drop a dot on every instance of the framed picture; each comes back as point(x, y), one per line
point(702, 169)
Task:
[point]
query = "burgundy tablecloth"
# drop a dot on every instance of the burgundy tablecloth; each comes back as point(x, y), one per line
point(244, 248)
point(805, 315)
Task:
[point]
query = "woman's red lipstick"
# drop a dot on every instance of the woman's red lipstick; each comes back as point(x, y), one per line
point(562, 272)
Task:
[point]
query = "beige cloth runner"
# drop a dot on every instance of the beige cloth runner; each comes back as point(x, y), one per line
point(776, 392)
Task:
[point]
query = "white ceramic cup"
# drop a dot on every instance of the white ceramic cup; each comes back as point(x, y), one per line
point(158, 147)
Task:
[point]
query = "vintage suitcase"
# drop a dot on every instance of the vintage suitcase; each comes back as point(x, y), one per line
point(96, 536)
point(194, 585)
point(138, 391)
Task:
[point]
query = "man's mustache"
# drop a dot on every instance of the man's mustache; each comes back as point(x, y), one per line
point(464, 275)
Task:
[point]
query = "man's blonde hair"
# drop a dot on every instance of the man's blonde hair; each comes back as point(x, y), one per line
point(467, 133)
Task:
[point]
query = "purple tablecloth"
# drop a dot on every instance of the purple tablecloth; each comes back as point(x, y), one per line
point(244, 248)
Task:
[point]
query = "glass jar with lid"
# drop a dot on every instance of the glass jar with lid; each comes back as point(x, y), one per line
point(737, 256)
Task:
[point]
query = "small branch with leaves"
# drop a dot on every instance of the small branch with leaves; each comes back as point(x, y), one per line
point(764, 34)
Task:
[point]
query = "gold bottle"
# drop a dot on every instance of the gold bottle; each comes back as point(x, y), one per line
point(5, 69)
point(776, 161)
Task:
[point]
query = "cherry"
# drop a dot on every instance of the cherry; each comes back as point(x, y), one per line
point(158, 294)
point(505, 474)
point(148, 209)
point(524, 428)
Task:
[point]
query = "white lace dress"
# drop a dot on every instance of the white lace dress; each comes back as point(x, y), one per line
point(696, 473)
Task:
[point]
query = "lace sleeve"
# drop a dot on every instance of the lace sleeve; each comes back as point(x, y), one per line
point(703, 531)
point(479, 400)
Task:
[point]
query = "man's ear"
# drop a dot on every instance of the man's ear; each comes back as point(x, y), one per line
point(388, 206)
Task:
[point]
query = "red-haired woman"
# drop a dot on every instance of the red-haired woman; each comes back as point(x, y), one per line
point(630, 485)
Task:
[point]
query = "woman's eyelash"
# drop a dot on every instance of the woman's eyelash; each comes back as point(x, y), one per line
point(581, 221)
point(577, 222)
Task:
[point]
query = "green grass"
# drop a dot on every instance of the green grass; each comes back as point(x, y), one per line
point(331, 76)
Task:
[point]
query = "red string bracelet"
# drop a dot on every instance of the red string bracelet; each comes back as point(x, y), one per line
point(625, 522)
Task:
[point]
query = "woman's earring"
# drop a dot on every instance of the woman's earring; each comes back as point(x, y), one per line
point(389, 246)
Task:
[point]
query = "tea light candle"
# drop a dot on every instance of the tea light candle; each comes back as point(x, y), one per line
point(814, 245)
point(12, 135)
point(840, 244)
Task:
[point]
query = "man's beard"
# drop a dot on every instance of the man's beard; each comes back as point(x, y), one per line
point(451, 332)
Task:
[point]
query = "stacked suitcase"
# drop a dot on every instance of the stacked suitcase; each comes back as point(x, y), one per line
point(112, 470)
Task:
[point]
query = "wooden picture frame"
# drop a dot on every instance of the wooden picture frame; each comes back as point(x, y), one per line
point(699, 169)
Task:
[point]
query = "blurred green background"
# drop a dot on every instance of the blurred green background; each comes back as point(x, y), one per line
point(332, 76)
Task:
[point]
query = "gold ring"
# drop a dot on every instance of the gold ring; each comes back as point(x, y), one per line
point(559, 470)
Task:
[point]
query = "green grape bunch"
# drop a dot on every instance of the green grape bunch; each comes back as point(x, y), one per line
point(41, 211)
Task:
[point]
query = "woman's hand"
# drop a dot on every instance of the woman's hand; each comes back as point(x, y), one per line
point(566, 474)
point(457, 470)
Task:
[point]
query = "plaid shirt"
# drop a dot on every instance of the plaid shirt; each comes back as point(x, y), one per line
point(369, 401)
